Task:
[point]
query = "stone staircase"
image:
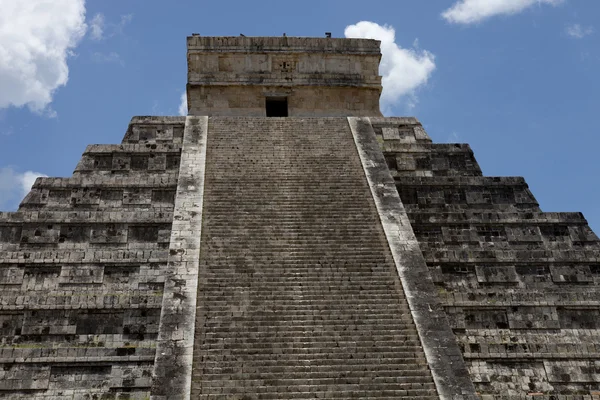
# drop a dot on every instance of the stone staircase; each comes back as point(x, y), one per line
point(298, 295)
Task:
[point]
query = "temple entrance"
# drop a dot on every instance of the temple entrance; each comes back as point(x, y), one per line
point(277, 106)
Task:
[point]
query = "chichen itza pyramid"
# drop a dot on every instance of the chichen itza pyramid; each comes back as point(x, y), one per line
point(286, 241)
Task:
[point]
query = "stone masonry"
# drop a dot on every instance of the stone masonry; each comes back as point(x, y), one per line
point(325, 77)
point(324, 253)
point(82, 271)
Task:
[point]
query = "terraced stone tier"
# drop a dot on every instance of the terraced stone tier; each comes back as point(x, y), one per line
point(82, 271)
point(521, 288)
point(298, 295)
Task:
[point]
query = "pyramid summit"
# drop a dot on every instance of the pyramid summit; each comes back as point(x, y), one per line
point(286, 241)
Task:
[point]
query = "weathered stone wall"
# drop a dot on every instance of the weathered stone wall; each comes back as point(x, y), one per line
point(303, 101)
point(82, 271)
point(233, 76)
point(520, 287)
point(85, 259)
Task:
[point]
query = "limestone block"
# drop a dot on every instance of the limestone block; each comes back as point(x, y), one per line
point(486, 318)
point(144, 134)
point(109, 233)
point(11, 323)
point(49, 322)
point(145, 233)
point(391, 133)
point(86, 163)
point(24, 377)
point(81, 274)
point(163, 197)
point(74, 234)
point(510, 378)
point(164, 133)
point(572, 371)
point(406, 163)
point(139, 162)
point(496, 274)
point(478, 196)
point(11, 274)
point(59, 197)
point(459, 233)
point(533, 318)
point(40, 277)
point(121, 162)
point(491, 233)
point(157, 162)
point(36, 196)
point(99, 322)
point(34, 234)
point(582, 233)
point(432, 196)
point(571, 274)
point(85, 196)
point(137, 197)
point(72, 377)
point(141, 322)
point(420, 133)
point(523, 234)
point(103, 162)
point(439, 163)
point(10, 234)
point(111, 198)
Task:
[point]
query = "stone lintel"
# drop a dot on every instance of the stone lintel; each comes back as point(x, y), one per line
point(287, 44)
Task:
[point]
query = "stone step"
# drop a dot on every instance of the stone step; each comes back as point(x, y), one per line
point(318, 394)
point(336, 346)
point(298, 284)
point(282, 385)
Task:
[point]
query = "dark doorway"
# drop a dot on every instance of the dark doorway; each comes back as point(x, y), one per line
point(277, 107)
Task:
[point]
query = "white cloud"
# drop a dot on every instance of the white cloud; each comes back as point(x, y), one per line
point(473, 11)
point(14, 186)
point(183, 108)
point(36, 38)
point(577, 31)
point(97, 26)
point(402, 70)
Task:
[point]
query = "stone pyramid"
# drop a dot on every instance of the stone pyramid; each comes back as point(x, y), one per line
point(286, 241)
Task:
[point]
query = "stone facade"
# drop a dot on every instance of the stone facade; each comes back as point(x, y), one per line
point(331, 254)
point(234, 76)
point(82, 271)
point(519, 286)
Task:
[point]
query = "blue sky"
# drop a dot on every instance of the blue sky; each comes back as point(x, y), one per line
point(516, 79)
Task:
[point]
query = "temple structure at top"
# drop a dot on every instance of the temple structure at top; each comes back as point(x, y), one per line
point(283, 76)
